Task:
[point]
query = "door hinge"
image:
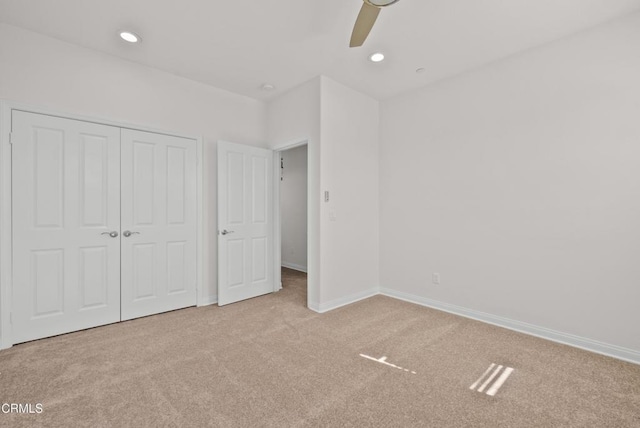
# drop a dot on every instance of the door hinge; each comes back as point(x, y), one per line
point(10, 137)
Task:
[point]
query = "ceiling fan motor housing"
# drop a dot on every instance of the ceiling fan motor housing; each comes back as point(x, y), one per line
point(381, 3)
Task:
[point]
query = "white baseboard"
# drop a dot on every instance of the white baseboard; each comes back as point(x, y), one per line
point(614, 351)
point(314, 306)
point(344, 301)
point(207, 300)
point(294, 266)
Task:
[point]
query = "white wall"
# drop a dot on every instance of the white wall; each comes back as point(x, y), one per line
point(292, 118)
point(49, 73)
point(519, 184)
point(349, 171)
point(293, 208)
point(341, 127)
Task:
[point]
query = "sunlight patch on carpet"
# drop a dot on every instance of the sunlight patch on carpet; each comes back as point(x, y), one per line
point(487, 379)
point(383, 360)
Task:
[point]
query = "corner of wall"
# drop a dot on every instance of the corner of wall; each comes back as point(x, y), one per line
point(345, 300)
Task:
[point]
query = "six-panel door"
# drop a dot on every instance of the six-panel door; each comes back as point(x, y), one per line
point(66, 203)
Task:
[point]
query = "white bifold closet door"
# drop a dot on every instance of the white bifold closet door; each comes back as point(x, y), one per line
point(158, 223)
point(66, 203)
point(104, 224)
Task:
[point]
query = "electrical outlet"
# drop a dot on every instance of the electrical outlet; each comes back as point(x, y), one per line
point(435, 278)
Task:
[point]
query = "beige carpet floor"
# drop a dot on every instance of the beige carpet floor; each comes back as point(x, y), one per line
point(271, 362)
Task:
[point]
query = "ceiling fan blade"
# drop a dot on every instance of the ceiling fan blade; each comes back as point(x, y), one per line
point(366, 18)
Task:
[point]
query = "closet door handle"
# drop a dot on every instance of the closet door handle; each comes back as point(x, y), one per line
point(113, 234)
point(128, 233)
point(226, 232)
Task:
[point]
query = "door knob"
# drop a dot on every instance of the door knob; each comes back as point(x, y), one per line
point(128, 233)
point(113, 234)
point(226, 232)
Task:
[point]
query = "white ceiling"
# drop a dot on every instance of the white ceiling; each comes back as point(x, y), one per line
point(240, 44)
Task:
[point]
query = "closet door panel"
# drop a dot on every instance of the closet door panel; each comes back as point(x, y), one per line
point(66, 203)
point(158, 223)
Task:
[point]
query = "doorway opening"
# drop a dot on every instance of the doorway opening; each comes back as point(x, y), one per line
point(293, 208)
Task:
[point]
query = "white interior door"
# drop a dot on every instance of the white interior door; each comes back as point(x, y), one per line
point(245, 222)
point(158, 223)
point(66, 203)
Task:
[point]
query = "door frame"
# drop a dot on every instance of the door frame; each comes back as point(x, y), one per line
point(6, 234)
point(277, 220)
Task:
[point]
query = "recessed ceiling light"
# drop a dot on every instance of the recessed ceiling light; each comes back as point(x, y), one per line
point(376, 57)
point(268, 87)
point(130, 37)
point(421, 70)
